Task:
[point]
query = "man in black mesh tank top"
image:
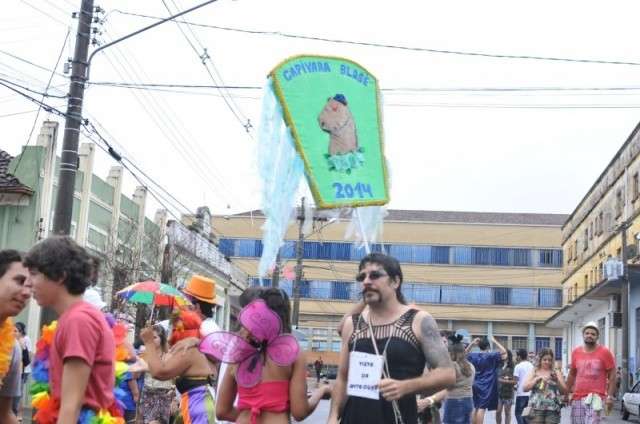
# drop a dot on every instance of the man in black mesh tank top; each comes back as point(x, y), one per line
point(391, 338)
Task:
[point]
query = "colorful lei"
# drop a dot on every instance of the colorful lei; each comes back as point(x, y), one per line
point(7, 341)
point(46, 406)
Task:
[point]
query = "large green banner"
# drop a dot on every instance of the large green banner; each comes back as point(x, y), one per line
point(332, 107)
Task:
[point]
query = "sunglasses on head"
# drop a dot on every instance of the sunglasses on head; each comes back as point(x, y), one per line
point(373, 275)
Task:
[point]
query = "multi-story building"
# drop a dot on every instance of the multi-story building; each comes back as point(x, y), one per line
point(106, 221)
point(489, 273)
point(592, 241)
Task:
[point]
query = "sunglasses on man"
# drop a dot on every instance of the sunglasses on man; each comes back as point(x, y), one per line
point(373, 275)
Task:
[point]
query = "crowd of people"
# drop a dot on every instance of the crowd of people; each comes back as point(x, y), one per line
point(395, 365)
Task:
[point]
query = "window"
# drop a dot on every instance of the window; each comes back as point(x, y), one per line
point(575, 248)
point(600, 222)
point(635, 187)
point(549, 298)
point(585, 245)
point(600, 276)
point(467, 295)
point(575, 291)
point(601, 323)
point(501, 295)
point(558, 348)
point(585, 284)
point(519, 343)
point(619, 202)
point(542, 343)
point(335, 346)
point(591, 231)
point(550, 258)
point(523, 297)
point(426, 293)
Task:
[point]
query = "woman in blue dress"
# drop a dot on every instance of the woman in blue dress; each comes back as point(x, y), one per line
point(485, 385)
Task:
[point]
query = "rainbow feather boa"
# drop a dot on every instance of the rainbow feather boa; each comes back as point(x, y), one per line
point(7, 340)
point(47, 407)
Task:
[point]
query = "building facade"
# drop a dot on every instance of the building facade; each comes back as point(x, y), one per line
point(605, 222)
point(489, 273)
point(106, 221)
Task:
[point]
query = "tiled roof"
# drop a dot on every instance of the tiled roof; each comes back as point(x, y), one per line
point(9, 183)
point(546, 219)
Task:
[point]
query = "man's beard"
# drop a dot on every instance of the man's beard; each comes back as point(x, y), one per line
point(369, 298)
point(590, 342)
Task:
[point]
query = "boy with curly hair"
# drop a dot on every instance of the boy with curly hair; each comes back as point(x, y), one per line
point(81, 359)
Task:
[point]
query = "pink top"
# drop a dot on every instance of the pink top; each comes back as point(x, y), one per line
point(269, 396)
point(592, 369)
point(83, 333)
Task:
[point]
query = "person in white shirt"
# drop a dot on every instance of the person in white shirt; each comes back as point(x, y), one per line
point(520, 373)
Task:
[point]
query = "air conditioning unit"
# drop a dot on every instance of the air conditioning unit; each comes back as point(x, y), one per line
point(615, 319)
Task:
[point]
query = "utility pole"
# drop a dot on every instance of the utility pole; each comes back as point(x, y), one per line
point(69, 159)
point(625, 308)
point(299, 253)
point(79, 76)
point(275, 276)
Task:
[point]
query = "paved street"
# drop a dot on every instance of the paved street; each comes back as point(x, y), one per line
point(320, 415)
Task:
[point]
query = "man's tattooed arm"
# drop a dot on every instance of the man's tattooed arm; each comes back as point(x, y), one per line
point(435, 352)
point(441, 374)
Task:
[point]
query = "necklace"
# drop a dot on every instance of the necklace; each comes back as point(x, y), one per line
point(7, 341)
point(46, 406)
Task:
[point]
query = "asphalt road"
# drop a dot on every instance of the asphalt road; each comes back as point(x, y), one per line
point(320, 416)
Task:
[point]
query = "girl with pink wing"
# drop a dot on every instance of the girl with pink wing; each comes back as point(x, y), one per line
point(268, 373)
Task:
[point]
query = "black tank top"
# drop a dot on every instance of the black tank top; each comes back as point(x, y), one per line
point(406, 361)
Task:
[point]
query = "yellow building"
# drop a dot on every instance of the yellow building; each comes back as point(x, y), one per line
point(488, 273)
point(592, 245)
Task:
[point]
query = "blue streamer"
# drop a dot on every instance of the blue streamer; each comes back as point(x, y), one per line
point(281, 169)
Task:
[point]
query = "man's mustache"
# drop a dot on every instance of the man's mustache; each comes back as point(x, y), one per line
point(365, 291)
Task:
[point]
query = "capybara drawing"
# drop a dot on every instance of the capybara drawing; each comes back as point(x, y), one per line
point(337, 120)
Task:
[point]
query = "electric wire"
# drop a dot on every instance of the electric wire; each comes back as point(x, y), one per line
point(383, 89)
point(204, 58)
point(44, 95)
point(396, 47)
point(30, 63)
point(45, 13)
point(180, 138)
point(179, 142)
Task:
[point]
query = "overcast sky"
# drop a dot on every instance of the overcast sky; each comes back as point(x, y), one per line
point(504, 151)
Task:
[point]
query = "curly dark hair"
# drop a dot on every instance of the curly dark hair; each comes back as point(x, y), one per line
point(391, 267)
point(7, 257)
point(61, 258)
point(278, 301)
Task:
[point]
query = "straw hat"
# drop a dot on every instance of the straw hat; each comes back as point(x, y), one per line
point(202, 288)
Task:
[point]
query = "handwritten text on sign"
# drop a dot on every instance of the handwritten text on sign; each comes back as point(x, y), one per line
point(365, 371)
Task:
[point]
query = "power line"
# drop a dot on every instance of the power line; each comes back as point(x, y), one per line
point(45, 13)
point(34, 91)
point(31, 63)
point(204, 57)
point(181, 143)
point(502, 106)
point(44, 95)
point(395, 47)
point(24, 112)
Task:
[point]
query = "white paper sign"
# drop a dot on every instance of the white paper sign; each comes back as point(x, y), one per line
point(365, 371)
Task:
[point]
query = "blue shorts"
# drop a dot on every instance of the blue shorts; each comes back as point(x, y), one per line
point(457, 411)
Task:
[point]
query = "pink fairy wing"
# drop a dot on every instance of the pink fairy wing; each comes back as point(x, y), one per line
point(283, 350)
point(249, 371)
point(260, 320)
point(226, 347)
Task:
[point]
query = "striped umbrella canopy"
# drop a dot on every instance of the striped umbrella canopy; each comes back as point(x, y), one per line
point(153, 293)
